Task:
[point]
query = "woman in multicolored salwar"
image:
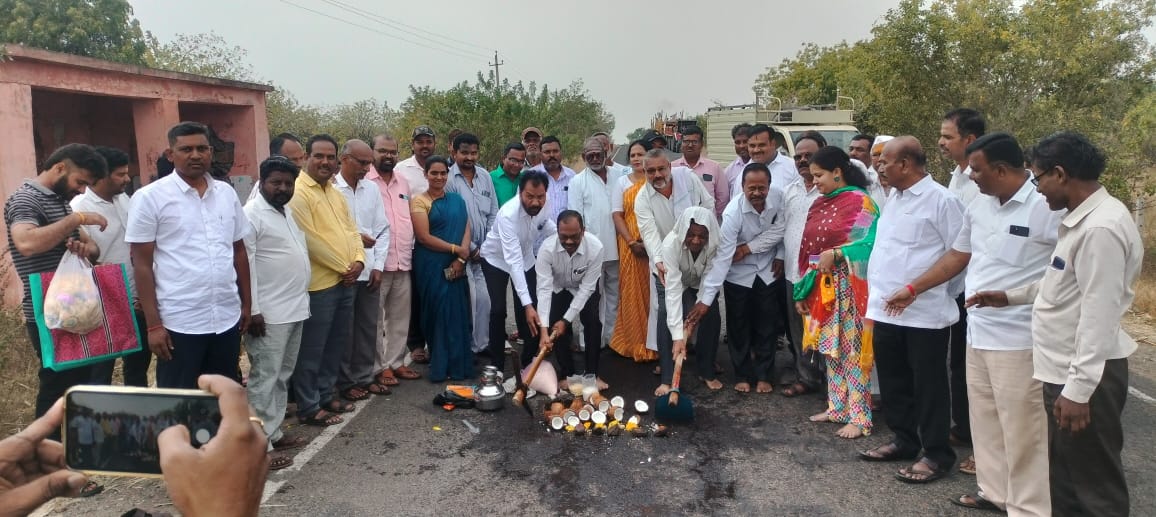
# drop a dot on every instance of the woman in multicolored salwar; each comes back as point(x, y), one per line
point(832, 294)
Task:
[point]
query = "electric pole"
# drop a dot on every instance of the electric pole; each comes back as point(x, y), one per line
point(497, 74)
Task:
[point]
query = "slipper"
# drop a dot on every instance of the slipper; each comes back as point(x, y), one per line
point(915, 477)
point(387, 378)
point(420, 356)
point(378, 388)
point(348, 394)
point(336, 406)
point(321, 418)
point(977, 502)
point(892, 453)
point(405, 372)
point(968, 466)
point(289, 442)
point(796, 389)
point(280, 462)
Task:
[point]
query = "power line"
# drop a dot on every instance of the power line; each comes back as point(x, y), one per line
point(431, 37)
point(386, 34)
point(496, 64)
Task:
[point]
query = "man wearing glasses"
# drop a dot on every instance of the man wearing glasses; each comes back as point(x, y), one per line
point(707, 170)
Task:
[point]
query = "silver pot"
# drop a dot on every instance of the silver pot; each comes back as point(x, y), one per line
point(490, 396)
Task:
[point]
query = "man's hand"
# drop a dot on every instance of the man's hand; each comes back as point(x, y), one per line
point(257, 325)
point(802, 309)
point(94, 219)
point(638, 249)
point(374, 280)
point(898, 301)
point(226, 476)
point(32, 468)
point(987, 299)
point(367, 241)
point(558, 329)
point(661, 268)
point(78, 247)
point(476, 255)
point(741, 252)
point(679, 349)
point(777, 268)
point(459, 269)
point(351, 274)
point(532, 320)
point(696, 313)
point(1072, 416)
point(160, 343)
point(246, 320)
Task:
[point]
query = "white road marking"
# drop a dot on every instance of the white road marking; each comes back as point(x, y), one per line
point(1141, 395)
point(309, 451)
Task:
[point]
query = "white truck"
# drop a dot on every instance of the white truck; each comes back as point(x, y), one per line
point(836, 125)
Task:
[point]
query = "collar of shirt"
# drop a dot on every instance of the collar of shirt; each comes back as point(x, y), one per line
point(918, 188)
point(960, 171)
point(41, 188)
point(344, 185)
point(1075, 216)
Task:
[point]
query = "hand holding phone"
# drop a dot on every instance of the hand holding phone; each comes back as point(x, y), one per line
point(35, 471)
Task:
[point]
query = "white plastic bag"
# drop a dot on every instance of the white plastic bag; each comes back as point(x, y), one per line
point(72, 301)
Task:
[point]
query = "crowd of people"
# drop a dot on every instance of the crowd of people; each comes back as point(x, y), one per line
point(993, 303)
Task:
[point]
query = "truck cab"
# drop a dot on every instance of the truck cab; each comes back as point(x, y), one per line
point(836, 125)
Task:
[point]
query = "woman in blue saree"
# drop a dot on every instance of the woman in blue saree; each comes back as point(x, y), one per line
point(442, 230)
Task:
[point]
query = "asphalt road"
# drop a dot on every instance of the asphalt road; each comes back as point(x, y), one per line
point(743, 455)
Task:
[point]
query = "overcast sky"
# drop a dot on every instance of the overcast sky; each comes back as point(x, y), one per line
point(636, 57)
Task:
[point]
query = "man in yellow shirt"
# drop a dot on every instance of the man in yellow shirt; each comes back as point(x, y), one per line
point(337, 257)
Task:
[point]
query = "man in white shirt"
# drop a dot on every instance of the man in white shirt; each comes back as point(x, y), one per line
point(959, 128)
point(356, 380)
point(734, 170)
point(762, 149)
point(568, 267)
point(107, 198)
point(610, 149)
point(810, 369)
point(1006, 241)
point(1079, 349)
point(860, 149)
point(589, 195)
point(413, 168)
point(476, 187)
point(558, 174)
point(532, 141)
point(707, 170)
point(917, 227)
point(508, 255)
point(186, 236)
point(750, 235)
point(284, 144)
point(279, 262)
point(689, 250)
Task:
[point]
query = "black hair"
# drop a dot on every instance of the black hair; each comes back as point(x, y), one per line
point(551, 139)
point(814, 136)
point(864, 136)
point(323, 137)
point(743, 128)
point(465, 139)
point(567, 215)
point(762, 128)
point(535, 177)
point(1079, 157)
point(646, 146)
point(693, 130)
point(187, 129)
point(754, 167)
point(436, 159)
point(999, 147)
point(513, 146)
point(967, 121)
point(82, 156)
point(278, 163)
point(831, 157)
point(278, 142)
point(113, 157)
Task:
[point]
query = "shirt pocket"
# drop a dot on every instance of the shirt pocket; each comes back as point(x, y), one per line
point(912, 229)
point(1058, 284)
point(1012, 248)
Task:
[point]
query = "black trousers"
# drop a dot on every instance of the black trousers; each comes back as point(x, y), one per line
point(496, 282)
point(591, 331)
point(53, 384)
point(706, 344)
point(912, 366)
point(1086, 473)
point(198, 354)
point(136, 364)
point(960, 416)
point(752, 329)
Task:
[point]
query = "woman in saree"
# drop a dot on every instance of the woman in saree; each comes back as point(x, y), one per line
point(441, 228)
point(635, 333)
point(832, 295)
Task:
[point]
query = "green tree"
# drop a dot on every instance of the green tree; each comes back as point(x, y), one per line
point(636, 134)
point(362, 119)
point(1031, 67)
point(103, 29)
point(205, 54)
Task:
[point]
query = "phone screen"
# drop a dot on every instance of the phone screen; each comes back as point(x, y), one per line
point(115, 431)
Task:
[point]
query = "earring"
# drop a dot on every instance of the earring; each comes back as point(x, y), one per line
point(837, 178)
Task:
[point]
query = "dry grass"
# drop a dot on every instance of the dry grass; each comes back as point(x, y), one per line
point(18, 367)
point(1146, 287)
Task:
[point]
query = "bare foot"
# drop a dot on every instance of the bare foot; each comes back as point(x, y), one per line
point(764, 387)
point(663, 389)
point(602, 386)
point(563, 385)
point(849, 431)
point(713, 384)
point(821, 417)
point(743, 387)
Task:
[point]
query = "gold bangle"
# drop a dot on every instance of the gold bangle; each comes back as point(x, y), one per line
point(81, 216)
point(257, 421)
point(453, 249)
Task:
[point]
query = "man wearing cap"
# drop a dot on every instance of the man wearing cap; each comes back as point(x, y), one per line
point(655, 139)
point(589, 194)
point(413, 168)
point(608, 146)
point(532, 140)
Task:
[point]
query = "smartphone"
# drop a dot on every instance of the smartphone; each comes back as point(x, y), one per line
point(112, 430)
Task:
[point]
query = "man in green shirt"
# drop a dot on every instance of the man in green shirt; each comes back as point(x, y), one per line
point(507, 174)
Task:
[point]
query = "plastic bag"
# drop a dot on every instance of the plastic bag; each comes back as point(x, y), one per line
point(72, 301)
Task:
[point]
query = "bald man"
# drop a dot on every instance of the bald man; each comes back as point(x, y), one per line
point(356, 381)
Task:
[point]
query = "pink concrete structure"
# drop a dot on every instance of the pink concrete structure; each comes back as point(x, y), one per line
point(48, 99)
